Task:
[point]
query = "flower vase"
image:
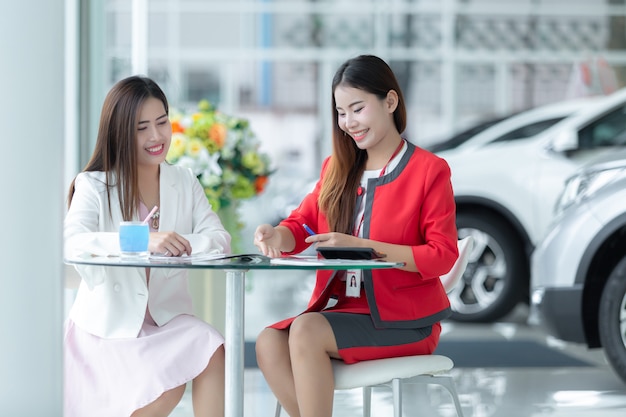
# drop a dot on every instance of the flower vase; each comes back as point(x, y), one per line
point(208, 289)
point(231, 220)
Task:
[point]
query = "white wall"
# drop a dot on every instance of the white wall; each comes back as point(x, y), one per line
point(31, 178)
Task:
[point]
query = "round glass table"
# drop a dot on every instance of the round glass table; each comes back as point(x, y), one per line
point(235, 267)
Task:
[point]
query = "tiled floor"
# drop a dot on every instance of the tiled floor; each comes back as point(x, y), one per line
point(578, 384)
point(482, 392)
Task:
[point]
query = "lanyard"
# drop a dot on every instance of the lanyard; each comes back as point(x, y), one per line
point(382, 172)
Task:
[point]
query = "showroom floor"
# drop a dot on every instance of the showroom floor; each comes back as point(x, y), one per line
point(507, 369)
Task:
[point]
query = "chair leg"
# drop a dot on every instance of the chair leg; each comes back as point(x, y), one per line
point(278, 408)
point(448, 383)
point(396, 388)
point(367, 401)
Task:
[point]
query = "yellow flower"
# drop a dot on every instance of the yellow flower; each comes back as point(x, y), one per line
point(194, 147)
point(177, 147)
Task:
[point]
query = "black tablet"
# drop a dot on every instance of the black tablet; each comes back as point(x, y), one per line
point(349, 253)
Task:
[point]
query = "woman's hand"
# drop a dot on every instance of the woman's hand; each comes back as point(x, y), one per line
point(169, 244)
point(335, 239)
point(268, 239)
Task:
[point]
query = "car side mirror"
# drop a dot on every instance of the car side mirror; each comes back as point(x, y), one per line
point(565, 140)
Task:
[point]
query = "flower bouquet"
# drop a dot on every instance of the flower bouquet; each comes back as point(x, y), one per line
point(223, 152)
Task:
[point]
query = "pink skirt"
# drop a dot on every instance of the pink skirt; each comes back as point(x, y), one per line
point(115, 377)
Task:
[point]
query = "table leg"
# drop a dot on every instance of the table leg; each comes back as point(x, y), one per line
point(234, 329)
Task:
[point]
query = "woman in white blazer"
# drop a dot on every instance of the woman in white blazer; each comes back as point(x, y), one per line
point(131, 340)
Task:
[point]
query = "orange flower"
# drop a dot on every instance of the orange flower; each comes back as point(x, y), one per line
point(177, 127)
point(259, 183)
point(217, 134)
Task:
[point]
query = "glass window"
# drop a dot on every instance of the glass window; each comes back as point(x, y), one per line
point(463, 136)
point(609, 130)
point(202, 84)
point(528, 131)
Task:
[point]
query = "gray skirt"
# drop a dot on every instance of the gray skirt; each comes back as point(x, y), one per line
point(358, 340)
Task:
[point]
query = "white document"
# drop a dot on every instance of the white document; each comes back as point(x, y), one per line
point(315, 261)
point(298, 260)
point(194, 257)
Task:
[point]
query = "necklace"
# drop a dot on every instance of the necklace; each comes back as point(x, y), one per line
point(156, 216)
point(155, 219)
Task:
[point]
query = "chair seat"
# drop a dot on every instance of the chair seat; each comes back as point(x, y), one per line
point(380, 371)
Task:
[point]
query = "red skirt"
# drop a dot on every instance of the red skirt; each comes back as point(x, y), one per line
point(357, 338)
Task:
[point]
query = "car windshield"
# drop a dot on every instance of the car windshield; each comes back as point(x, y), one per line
point(528, 130)
point(463, 136)
point(609, 130)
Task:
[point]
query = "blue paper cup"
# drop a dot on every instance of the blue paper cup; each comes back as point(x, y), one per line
point(134, 240)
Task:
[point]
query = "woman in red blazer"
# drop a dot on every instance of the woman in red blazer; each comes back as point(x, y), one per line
point(376, 190)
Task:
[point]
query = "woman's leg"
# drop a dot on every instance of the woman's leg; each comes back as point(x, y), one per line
point(208, 388)
point(272, 355)
point(312, 344)
point(162, 406)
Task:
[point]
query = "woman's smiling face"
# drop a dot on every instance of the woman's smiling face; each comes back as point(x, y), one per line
point(154, 133)
point(363, 116)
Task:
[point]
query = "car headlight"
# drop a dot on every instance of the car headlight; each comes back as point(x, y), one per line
point(581, 186)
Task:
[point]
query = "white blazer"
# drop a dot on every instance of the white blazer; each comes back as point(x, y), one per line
point(111, 301)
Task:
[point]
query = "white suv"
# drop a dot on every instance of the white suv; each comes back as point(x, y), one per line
point(515, 126)
point(579, 269)
point(505, 191)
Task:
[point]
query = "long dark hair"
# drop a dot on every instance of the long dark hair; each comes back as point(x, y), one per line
point(115, 152)
point(338, 194)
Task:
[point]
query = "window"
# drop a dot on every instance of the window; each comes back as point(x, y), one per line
point(609, 130)
point(528, 130)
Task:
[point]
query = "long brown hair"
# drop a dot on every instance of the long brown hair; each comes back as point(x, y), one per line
point(337, 198)
point(115, 152)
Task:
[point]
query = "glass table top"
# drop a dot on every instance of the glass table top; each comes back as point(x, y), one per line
point(236, 261)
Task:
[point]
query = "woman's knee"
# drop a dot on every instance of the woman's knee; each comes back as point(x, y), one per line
point(271, 345)
point(311, 331)
point(264, 341)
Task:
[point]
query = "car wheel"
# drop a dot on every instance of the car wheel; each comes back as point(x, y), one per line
point(496, 276)
point(612, 319)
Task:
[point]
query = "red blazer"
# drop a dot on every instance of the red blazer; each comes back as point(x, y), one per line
point(411, 205)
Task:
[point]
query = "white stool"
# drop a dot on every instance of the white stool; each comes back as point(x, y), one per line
point(394, 372)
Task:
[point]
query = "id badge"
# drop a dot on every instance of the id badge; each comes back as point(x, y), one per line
point(353, 283)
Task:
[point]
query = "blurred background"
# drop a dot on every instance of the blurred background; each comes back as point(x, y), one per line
point(462, 64)
point(539, 81)
point(458, 61)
